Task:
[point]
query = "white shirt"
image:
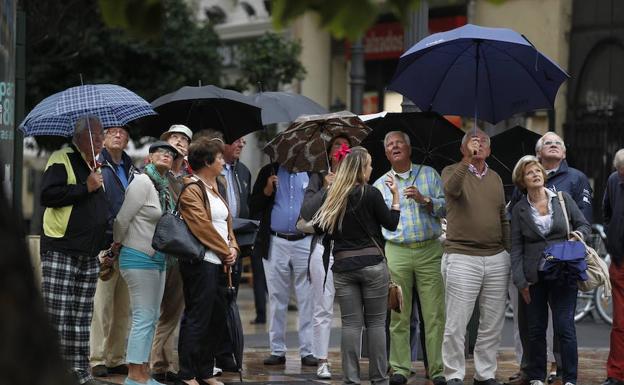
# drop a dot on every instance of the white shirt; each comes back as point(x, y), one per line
point(219, 212)
point(543, 222)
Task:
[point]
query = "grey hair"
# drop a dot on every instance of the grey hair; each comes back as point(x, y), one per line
point(618, 159)
point(405, 136)
point(540, 142)
point(470, 134)
point(86, 121)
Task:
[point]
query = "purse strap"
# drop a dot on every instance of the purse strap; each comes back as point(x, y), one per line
point(565, 211)
point(201, 186)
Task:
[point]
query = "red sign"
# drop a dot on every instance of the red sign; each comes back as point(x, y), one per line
point(385, 40)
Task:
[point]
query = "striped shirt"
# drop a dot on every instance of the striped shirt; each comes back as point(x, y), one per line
point(416, 224)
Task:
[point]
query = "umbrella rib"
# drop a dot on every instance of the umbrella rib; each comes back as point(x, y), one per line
point(448, 69)
point(527, 71)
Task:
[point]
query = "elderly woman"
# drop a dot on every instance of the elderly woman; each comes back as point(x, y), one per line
point(143, 268)
point(205, 212)
point(538, 221)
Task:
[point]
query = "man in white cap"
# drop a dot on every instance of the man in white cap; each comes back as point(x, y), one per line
point(172, 305)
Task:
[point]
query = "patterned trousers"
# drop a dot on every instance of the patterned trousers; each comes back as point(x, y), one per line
point(68, 287)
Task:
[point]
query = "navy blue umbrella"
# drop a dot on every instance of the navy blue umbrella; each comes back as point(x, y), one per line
point(491, 73)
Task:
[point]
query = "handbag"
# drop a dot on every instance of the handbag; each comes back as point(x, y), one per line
point(173, 237)
point(597, 271)
point(395, 293)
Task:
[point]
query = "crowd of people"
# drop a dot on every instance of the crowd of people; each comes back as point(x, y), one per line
point(330, 235)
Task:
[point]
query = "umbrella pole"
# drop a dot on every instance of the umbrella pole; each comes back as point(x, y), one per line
point(476, 91)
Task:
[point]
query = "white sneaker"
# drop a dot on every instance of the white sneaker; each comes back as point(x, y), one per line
point(323, 371)
point(216, 371)
point(536, 382)
point(569, 383)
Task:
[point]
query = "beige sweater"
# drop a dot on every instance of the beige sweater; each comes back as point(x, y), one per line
point(136, 221)
point(477, 222)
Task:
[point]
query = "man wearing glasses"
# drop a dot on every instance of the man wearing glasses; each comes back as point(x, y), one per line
point(551, 152)
point(111, 311)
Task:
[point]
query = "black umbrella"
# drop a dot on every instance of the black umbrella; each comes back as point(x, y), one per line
point(435, 141)
point(234, 325)
point(285, 107)
point(507, 148)
point(200, 108)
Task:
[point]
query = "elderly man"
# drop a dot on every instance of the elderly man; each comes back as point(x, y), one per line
point(74, 232)
point(276, 200)
point(551, 152)
point(613, 211)
point(414, 255)
point(111, 305)
point(476, 261)
point(172, 305)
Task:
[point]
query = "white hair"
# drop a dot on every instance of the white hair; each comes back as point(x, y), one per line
point(618, 159)
point(86, 121)
point(540, 142)
point(470, 133)
point(405, 136)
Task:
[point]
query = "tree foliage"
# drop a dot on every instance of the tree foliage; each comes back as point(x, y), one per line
point(268, 61)
point(68, 38)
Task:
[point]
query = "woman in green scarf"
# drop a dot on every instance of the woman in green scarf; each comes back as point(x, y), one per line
point(142, 267)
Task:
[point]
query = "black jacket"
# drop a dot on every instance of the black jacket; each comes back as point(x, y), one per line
point(528, 243)
point(75, 220)
point(260, 207)
point(115, 190)
point(613, 212)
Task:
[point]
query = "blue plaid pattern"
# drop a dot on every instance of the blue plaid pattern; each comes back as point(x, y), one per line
point(68, 286)
point(415, 224)
point(57, 114)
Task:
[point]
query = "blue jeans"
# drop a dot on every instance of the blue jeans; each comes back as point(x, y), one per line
point(561, 297)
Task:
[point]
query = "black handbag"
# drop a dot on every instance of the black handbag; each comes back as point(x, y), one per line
point(173, 237)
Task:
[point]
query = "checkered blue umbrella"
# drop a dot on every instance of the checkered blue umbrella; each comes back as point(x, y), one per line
point(57, 114)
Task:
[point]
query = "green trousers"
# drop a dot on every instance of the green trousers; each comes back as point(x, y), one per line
point(417, 265)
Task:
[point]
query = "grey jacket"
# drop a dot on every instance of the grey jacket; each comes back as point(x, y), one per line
point(528, 243)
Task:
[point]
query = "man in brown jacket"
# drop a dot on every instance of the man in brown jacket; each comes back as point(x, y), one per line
point(476, 261)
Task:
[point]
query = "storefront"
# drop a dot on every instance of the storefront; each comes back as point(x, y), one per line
point(7, 92)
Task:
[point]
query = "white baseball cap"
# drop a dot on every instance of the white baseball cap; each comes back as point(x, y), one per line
point(182, 129)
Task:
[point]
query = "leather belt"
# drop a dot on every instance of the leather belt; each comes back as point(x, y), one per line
point(289, 237)
point(356, 253)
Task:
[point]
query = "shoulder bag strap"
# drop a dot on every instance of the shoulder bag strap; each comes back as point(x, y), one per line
point(201, 186)
point(565, 211)
point(357, 217)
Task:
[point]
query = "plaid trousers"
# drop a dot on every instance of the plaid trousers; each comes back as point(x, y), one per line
point(68, 287)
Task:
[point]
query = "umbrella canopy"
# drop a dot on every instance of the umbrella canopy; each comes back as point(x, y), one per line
point(57, 114)
point(472, 70)
point(507, 148)
point(234, 325)
point(285, 107)
point(434, 140)
point(303, 145)
point(199, 108)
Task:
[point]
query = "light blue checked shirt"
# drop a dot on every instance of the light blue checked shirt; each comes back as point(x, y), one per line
point(416, 223)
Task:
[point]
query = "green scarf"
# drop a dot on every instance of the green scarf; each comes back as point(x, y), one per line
point(162, 186)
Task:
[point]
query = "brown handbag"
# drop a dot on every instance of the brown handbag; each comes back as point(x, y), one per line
point(395, 293)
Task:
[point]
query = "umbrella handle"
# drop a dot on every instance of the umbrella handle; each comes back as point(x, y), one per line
point(228, 270)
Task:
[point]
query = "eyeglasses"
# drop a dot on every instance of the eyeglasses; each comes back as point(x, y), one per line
point(553, 143)
point(164, 151)
point(116, 131)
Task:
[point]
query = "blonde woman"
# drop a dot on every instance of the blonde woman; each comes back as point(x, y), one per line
point(352, 215)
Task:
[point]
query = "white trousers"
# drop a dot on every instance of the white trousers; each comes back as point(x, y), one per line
point(286, 258)
point(469, 279)
point(323, 298)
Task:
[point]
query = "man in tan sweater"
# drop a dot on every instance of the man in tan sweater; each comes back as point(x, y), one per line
point(476, 262)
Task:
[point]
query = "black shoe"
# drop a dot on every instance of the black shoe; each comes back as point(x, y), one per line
point(165, 377)
point(398, 379)
point(518, 378)
point(309, 360)
point(258, 321)
point(489, 381)
point(454, 381)
point(99, 371)
point(95, 381)
point(119, 369)
point(275, 360)
point(439, 381)
point(292, 307)
point(612, 381)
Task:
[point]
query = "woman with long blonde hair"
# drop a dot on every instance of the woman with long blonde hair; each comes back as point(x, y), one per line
point(351, 215)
